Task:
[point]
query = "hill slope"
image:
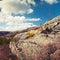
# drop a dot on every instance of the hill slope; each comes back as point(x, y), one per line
point(42, 43)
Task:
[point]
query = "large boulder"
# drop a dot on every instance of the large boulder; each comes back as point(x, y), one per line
point(42, 45)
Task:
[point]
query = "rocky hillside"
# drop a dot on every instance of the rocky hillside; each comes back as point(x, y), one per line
point(39, 43)
point(35, 43)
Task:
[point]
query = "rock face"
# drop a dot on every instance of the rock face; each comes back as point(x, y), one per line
point(42, 45)
point(5, 53)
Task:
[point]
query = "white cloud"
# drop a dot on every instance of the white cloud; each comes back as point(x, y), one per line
point(16, 23)
point(27, 2)
point(50, 1)
point(30, 11)
point(34, 19)
point(11, 23)
point(18, 27)
point(17, 6)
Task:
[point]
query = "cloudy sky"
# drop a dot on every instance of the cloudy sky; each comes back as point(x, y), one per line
point(21, 14)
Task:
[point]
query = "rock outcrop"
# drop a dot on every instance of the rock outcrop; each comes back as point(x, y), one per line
point(5, 53)
point(39, 44)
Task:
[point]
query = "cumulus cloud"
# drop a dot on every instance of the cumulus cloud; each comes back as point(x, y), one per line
point(17, 6)
point(50, 1)
point(13, 23)
point(18, 27)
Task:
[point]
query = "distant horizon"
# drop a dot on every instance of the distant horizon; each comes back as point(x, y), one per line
point(18, 15)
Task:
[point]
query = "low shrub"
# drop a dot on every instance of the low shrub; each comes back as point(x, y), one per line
point(32, 32)
point(4, 40)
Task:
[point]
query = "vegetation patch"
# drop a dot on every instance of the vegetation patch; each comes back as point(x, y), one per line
point(4, 40)
point(32, 32)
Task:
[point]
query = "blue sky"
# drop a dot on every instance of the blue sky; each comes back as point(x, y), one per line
point(22, 14)
point(46, 11)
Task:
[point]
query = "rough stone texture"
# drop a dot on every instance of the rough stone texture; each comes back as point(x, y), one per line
point(55, 55)
point(44, 45)
point(5, 53)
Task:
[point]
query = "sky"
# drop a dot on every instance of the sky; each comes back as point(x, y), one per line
point(16, 15)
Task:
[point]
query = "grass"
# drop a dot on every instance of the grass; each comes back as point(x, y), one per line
point(32, 32)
